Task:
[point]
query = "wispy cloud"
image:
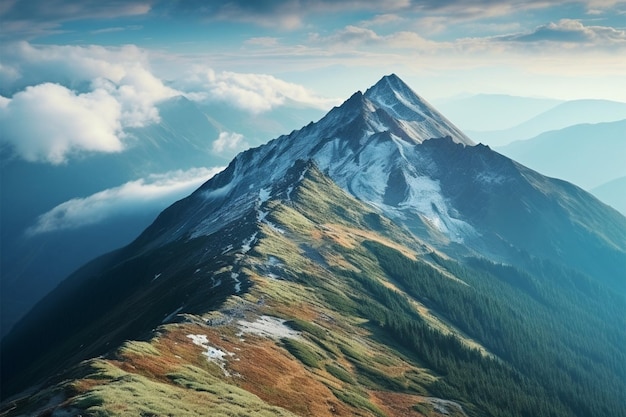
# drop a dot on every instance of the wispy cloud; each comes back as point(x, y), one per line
point(229, 141)
point(570, 31)
point(355, 36)
point(82, 99)
point(255, 93)
point(157, 191)
point(115, 29)
point(28, 19)
point(284, 14)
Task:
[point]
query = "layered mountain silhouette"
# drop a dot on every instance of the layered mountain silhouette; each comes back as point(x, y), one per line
point(560, 153)
point(377, 262)
point(561, 116)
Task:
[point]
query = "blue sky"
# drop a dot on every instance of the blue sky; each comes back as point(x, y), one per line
point(564, 49)
point(77, 75)
point(109, 63)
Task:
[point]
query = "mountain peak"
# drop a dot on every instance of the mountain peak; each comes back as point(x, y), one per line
point(394, 96)
point(393, 82)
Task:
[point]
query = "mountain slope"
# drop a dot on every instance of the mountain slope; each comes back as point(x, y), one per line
point(460, 198)
point(33, 264)
point(308, 309)
point(177, 148)
point(373, 234)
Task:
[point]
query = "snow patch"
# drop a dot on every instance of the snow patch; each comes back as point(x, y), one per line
point(490, 178)
point(235, 277)
point(267, 326)
point(303, 174)
point(264, 195)
point(274, 227)
point(247, 243)
point(212, 353)
point(426, 199)
point(260, 215)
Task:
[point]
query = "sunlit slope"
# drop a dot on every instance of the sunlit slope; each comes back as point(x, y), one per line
point(315, 304)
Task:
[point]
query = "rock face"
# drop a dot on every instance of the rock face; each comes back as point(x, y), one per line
point(376, 262)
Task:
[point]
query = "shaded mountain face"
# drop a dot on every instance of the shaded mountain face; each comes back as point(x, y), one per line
point(33, 264)
point(346, 269)
point(179, 146)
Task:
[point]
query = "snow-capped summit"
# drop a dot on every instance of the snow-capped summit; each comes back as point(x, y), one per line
point(396, 98)
point(390, 149)
point(370, 146)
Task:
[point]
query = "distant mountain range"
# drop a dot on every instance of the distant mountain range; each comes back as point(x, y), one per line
point(587, 155)
point(613, 193)
point(561, 116)
point(488, 112)
point(377, 262)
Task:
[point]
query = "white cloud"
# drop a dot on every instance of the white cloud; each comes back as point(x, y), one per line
point(49, 122)
point(571, 31)
point(157, 191)
point(61, 101)
point(255, 93)
point(68, 99)
point(230, 141)
point(352, 37)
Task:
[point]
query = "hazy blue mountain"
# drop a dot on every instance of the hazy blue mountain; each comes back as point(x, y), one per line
point(485, 112)
point(375, 263)
point(587, 155)
point(563, 115)
point(613, 193)
point(259, 128)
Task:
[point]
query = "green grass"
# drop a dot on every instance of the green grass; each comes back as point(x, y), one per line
point(340, 373)
point(303, 352)
point(423, 408)
point(306, 327)
point(357, 401)
point(138, 348)
point(373, 378)
point(193, 392)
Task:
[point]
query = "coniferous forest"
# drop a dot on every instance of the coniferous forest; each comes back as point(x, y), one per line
point(550, 357)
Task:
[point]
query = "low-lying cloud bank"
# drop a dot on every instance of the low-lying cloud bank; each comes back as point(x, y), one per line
point(156, 191)
point(59, 102)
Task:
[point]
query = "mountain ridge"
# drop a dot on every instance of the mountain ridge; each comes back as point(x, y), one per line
point(414, 270)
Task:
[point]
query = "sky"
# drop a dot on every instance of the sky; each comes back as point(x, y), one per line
point(76, 75)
